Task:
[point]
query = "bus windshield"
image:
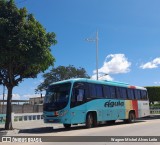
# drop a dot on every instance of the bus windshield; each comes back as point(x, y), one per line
point(57, 97)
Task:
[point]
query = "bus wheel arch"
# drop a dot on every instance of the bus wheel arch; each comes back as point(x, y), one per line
point(91, 119)
point(131, 116)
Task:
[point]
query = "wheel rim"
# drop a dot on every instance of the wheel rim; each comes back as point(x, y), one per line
point(132, 118)
point(90, 120)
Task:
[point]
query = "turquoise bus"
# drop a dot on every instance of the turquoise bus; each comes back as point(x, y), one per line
point(89, 102)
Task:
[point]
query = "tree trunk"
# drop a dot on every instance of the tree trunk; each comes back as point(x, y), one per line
point(8, 124)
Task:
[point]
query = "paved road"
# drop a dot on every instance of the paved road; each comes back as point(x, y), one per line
point(143, 127)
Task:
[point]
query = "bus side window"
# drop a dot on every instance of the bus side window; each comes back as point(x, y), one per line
point(96, 91)
point(130, 94)
point(123, 93)
point(78, 93)
point(106, 91)
point(144, 94)
point(133, 95)
point(137, 94)
point(113, 92)
point(99, 91)
point(118, 93)
point(92, 90)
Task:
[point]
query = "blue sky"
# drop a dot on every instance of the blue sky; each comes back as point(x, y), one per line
point(129, 38)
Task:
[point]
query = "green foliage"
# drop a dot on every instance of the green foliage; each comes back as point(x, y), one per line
point(61, 73)
point(24, 44)
point(155, 105)
point(153, 93)
point(24, 48)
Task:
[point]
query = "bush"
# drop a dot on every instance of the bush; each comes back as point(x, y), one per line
point(153, 93)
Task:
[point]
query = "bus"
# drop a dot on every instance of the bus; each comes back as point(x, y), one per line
point(90, 102)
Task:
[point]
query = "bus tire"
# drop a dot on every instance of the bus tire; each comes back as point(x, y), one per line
point(95, 123)
point(67, 126)
point(111, 122)
point(131, 117)
point(89, 120)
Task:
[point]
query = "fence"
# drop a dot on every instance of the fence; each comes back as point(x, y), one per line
point(22, 117)
point(38, 116)
point(26, 116)
point(155, 110)
point(22, 108)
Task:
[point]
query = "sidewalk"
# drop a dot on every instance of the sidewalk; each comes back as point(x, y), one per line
point(26, 125)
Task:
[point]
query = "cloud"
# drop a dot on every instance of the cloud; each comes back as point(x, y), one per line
point(157, 83)
point(152, 64)
point(114, 64)
point(101, 77)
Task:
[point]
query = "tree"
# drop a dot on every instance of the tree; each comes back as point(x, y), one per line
point(61, 73)
point(153, 93)
point(24, 49)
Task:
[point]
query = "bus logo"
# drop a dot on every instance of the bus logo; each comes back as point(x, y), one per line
point(113, 104)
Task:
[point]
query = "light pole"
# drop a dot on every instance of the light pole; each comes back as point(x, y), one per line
point(103, 76)
point(95, 40)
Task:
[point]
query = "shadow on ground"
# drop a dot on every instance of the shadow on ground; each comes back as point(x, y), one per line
point(151, 117)
point(2, 132)
point(44, 130)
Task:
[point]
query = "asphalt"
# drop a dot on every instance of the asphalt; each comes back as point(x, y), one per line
point(38, 127)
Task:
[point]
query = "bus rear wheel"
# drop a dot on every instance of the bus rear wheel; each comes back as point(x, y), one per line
point(67, 126)
point(131, 117)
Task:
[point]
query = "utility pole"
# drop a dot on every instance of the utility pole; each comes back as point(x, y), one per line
point(95, 40)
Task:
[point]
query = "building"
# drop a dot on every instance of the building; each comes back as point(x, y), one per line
point(36, 100)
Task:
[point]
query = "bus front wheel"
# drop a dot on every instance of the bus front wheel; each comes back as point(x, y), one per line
point(67, 126)
point(89, 120)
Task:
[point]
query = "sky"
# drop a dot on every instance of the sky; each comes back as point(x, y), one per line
point(128, 39)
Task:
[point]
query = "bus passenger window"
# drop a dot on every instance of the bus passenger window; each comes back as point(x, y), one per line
point(137, 94)
point(124, 93)
point(143, 94)
point(80, 95)
point(106, 92)
point(99, 91)
point(113, 92)
point(92, 89)
point(96, 91)
point(118, 92)
point(130, 94)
